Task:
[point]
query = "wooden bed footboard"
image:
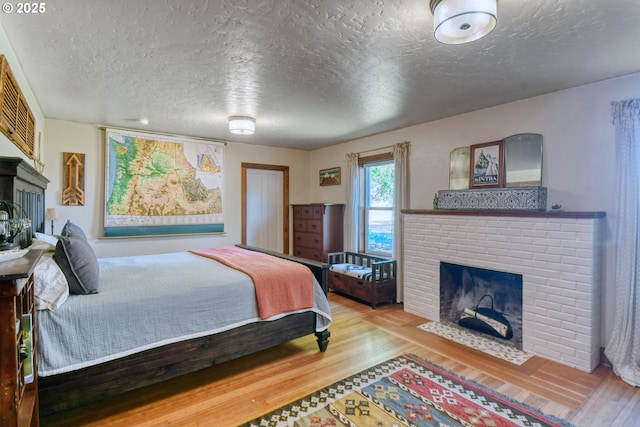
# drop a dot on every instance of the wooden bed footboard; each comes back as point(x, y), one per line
point(319, 269)
point(72, 389)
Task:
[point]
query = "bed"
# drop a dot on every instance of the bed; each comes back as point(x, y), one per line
point(205, 323)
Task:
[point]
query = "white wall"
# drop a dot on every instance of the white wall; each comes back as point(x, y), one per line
point(579, 154)
point(65, 136)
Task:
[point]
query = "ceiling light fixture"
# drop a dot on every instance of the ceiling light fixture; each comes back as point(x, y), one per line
point(242, 125)
point(463, 21)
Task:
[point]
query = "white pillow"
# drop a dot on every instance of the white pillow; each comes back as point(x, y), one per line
point(51, 286)
point(49, 239)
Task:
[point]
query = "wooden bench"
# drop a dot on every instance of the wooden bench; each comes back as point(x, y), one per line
point(367, 278)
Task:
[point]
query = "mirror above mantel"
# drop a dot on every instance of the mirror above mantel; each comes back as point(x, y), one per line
point(522, 163)
point(520, 176)
point(523, 160)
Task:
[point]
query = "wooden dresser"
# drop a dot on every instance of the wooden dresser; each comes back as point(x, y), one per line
point(317, 230)
point(18, 367)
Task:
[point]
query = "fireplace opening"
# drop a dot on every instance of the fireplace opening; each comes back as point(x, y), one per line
point(465, 287)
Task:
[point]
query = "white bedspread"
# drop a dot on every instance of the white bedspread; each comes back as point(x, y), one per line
point(149, 301)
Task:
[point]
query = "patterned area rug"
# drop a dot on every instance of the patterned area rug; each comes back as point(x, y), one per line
point(405, 391)
point(476, 341)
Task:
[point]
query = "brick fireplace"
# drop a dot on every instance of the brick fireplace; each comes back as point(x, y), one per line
point(558, 255)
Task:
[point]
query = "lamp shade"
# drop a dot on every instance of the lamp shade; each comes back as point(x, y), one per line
point(242, 125)
point(51, 214)
point(463, 21)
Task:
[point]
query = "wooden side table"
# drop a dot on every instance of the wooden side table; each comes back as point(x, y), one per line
point(18, 344)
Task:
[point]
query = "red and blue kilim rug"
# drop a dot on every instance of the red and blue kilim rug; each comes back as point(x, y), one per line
point(406, 391)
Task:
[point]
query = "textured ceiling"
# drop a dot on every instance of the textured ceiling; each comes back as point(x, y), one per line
point(312, 73)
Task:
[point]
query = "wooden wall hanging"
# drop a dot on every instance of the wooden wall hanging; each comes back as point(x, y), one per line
point(16, 121)
point(73, 190)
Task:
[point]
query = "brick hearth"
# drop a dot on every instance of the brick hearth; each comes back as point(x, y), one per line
point(558, 254)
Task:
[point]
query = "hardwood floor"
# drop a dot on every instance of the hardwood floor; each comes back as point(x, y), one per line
point(238, 391)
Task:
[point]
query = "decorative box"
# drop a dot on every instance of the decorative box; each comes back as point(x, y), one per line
point(516, 198)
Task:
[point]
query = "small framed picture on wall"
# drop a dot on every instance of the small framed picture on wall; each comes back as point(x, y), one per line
point(487, 165)
point(330, 176)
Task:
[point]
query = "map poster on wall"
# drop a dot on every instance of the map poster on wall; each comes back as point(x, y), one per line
point(162, 185)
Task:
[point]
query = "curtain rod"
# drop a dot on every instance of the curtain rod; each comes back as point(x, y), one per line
point(375, 149)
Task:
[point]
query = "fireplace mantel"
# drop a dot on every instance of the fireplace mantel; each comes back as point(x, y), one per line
point(511, 213)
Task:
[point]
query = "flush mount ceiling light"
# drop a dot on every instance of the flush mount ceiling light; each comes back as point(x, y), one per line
point(242, 125)
point(463, 21)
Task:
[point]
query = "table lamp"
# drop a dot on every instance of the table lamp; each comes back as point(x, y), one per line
point(51, 215)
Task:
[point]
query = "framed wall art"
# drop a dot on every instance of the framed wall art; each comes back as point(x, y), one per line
point(162, 185)
point(486, 165)
point(330, 176)
point(73, 179)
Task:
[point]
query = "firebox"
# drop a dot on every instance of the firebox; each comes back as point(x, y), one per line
point(469, 291)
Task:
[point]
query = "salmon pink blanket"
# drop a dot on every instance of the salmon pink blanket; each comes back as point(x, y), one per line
point(281, 285)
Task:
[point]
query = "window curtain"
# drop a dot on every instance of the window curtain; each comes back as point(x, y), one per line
point(351, 220)
point(401, 201)
point(623, 350)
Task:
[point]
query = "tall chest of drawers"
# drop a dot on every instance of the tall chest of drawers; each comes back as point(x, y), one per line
point(317, 230)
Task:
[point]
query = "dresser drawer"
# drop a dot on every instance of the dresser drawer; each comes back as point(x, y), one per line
point(316, 212)
point(304, 212)
point(308, 253)
point(300, 224)
point(312, 225)
point(308, 240)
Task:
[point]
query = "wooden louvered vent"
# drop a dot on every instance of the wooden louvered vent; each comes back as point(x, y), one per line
point(17, 121)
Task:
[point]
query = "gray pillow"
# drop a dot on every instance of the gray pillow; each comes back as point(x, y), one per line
point(79, 264)
point(72, 229)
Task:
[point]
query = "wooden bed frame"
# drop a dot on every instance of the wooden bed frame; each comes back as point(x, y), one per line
point(68, 390)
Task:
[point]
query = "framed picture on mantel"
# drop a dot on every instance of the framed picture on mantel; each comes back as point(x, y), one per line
point(487, 165)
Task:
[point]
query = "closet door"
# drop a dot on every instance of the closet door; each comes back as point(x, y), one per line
point(264, 209)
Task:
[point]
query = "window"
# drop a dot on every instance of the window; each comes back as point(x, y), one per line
point(379, 177)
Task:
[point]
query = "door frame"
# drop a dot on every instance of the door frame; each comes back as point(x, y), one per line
point(285, 200)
